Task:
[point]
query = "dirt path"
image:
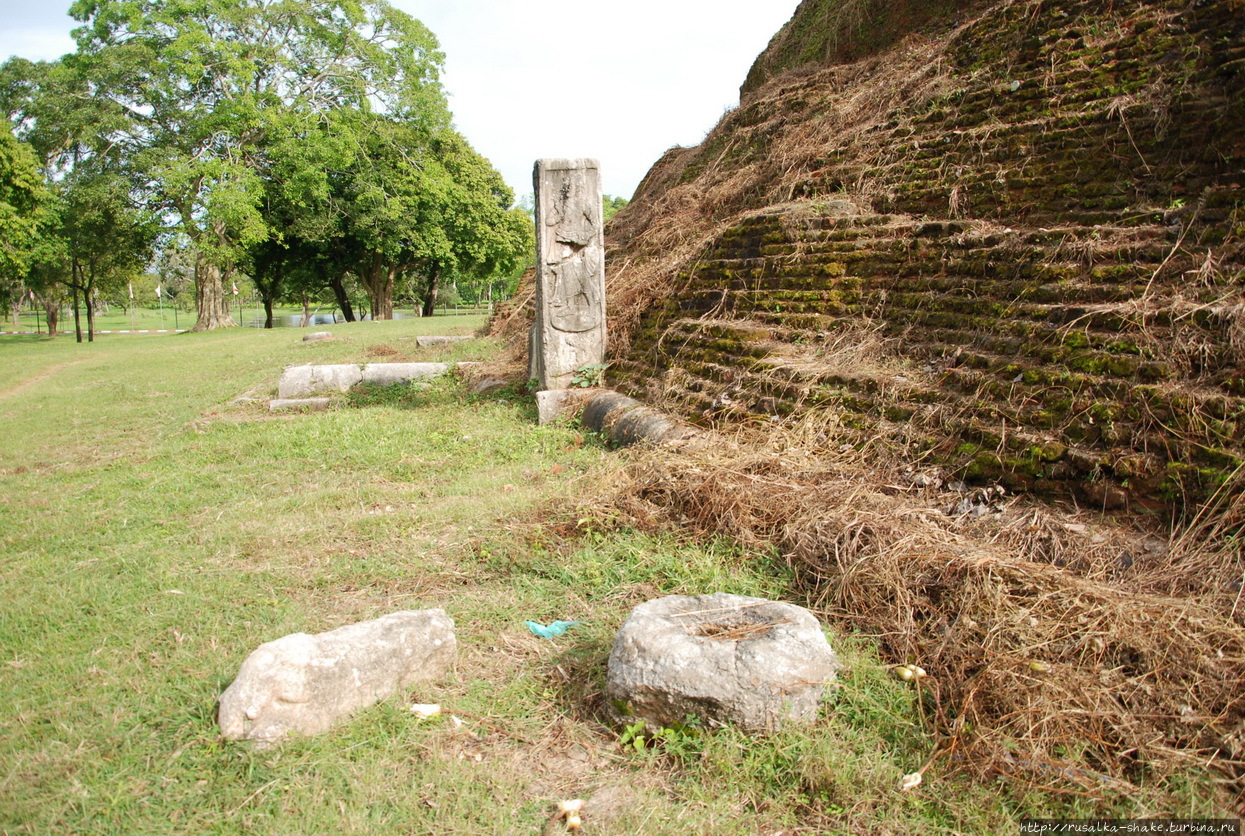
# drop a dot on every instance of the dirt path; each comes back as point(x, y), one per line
point(39, 378)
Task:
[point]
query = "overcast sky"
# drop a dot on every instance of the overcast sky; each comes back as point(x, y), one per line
point(621, 82)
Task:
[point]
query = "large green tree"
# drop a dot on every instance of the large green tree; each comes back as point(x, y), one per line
point(109, 239)
point(427, 208)
point(473, 234)
point(22, 201)
point(403, 204)
point(207, 83)
point(95, 232)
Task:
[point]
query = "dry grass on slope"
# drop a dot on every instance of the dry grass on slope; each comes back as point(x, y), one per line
point(1062, 650)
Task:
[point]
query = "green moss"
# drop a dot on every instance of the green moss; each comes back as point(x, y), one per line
point(898, 414)
point(967, 450)
point(1076, 339)
point(984, 466)
point(1051, 451)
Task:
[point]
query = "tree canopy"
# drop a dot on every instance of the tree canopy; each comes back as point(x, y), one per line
point(266, 135)
point(22, 197)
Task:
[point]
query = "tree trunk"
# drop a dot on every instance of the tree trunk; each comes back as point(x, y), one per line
point(90, 316)
point(306, 309)
point(210, 298)
point(379, 280)
point(267, 312)
point(430, 295)
point(77, 316)
point(343, 298)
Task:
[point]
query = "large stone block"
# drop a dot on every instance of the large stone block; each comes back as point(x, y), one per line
point(303, 684)
point(386, 373)
point(301, 381)
point(722, 658)
point(569, 330)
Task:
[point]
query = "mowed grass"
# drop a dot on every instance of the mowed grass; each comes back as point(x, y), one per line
point(153, 317)
point(153, 532)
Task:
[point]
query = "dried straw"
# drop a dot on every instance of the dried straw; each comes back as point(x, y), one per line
point(1062, 648)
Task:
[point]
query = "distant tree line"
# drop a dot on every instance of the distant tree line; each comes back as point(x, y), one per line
point(302, 149)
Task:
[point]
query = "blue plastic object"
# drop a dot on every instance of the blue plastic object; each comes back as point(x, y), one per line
point(557, 628)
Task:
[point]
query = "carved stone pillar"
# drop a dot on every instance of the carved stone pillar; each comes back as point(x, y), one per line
point(569, 331)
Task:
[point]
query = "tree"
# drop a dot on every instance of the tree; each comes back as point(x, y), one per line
point(23, 201)
point(412, 205)
point(463, 224)
point(95, 232)
point(303, 255)
point(108, 238)
point(611, 206)
point(206, 82)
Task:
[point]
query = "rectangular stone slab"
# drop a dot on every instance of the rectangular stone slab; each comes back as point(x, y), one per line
point(384, 373)
point(301, 381)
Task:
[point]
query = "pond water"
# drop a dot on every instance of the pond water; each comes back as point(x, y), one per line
point(296, 320)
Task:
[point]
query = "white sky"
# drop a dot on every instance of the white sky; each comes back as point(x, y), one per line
point(619, 81)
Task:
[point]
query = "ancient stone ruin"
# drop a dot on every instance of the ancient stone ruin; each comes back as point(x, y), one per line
point(302, 684)
point(1008, 236)
point(569, 331)
point(301, 381)
point(720, 658)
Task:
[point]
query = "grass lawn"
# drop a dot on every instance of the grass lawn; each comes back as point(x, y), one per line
point(155, 318)
point(153, 533)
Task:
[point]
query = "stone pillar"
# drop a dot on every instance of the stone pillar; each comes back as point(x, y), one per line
point(569, 331)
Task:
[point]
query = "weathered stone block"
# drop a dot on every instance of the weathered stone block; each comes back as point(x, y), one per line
point(626, 421)
point(386, 373)
point(722, 658)
point(300, 381)
point(560, 403)
point(303, 684)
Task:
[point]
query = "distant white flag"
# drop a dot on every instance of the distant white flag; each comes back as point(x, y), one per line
point(32, 296)
point(158, 296)
point(235, 288)
point(131, 290)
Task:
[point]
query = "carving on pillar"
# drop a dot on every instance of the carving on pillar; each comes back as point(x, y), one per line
point(569, 331)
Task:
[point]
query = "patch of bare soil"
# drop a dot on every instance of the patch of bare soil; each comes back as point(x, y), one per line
point(47, 373)
point(383, 351)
